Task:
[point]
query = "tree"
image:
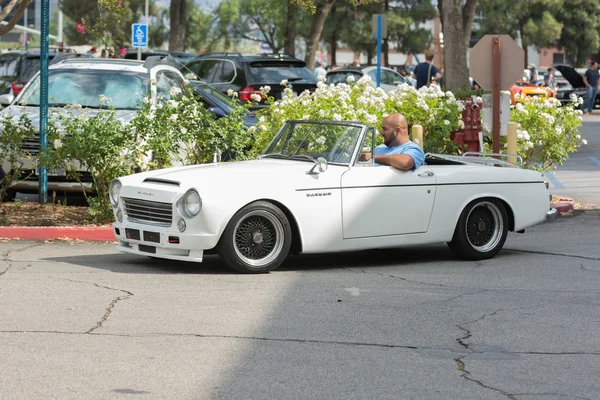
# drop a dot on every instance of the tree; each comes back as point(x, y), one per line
point(18, 6)
point(178, 13)
point(106, 20)
point(321, 12)
point(532, 20)
point(580, 37)
point(457, 20)
point(198, 27)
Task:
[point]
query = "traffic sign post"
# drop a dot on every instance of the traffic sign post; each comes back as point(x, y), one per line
point(379, 31)
point(42, 173)
point(139, 37)
point(506, 67)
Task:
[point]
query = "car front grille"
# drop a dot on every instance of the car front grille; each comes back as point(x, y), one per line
point(31, 145)
point(148, 212)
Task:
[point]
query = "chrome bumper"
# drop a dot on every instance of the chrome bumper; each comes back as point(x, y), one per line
point(551, 214)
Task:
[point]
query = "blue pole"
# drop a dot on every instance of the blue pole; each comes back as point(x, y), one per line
point(379, 23)
point(43, 181)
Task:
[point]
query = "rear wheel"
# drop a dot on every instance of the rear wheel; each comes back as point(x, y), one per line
point(257, 239)
point(481, 230)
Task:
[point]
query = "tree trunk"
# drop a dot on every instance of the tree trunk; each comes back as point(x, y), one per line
point(316, 29)
point(523, 43)
point(177, 32)
point(456, 72)
point(333, 48)
point(290, 29)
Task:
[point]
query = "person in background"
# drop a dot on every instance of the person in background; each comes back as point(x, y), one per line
point(534, 76)
point(549, 81)
point(425, 73)
point(92, 52)
point(320, 72)
point(591, 80)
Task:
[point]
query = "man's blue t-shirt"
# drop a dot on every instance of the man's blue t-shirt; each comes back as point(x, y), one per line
point(410, 148)
point(422, 70)
point(592, 76)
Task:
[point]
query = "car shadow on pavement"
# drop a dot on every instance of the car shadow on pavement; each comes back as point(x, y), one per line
point(212, 264)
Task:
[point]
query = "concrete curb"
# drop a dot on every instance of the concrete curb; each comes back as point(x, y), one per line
point(91, 233)
point(564, 205)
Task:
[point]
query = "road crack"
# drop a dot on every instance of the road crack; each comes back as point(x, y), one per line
point(468, 335)
point(110, 306)
point(467, 375)
point(392, 276)
point(6, 256)
point(554, 254)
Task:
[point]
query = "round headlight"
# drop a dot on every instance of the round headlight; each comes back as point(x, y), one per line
point(115, 190)
point(190, 204)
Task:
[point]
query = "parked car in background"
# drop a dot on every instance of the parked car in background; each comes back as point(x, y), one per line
point(180, 56)
point(529, 90)
point(82, 81)
point(390, 79)
point(247, 73)
point(326, 199)
point(571, 84)
point(18, 66)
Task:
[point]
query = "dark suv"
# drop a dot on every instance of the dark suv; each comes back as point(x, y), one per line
point(247, 73)
point(18, 66)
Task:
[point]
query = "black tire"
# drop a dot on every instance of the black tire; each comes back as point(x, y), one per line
point(481, 230)
point(257, 239)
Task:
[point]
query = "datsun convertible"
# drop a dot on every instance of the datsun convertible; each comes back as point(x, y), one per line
point(310, 192)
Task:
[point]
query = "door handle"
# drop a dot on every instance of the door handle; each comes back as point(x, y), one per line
point(426, 173)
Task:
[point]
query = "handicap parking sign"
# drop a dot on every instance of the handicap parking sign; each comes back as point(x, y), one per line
point(139, 35)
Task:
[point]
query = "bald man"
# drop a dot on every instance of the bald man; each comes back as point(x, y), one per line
point(398, 150)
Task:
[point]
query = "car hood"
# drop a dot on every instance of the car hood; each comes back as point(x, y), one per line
point(265, 172)
point(34, 113)
point(570, 75)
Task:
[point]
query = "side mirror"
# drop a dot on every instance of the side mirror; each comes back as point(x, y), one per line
point(320, 166)
point(6, 99)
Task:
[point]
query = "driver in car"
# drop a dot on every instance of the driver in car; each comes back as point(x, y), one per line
point(398, 150)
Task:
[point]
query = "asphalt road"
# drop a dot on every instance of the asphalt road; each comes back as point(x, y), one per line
point(579, 177)
point(80, 321)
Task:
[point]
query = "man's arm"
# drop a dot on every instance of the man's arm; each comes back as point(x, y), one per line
point(585, 81)
point(398, 161)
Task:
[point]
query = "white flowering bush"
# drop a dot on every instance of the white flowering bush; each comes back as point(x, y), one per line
point(437, 111)
point(98, 142)
point(547, 133)
point(180, 130)
point(13, 132)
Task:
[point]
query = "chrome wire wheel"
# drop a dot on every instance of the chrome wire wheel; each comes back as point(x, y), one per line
point(484, 226)
point(258, 238)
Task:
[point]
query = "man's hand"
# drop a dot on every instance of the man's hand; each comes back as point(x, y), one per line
point(364, 157)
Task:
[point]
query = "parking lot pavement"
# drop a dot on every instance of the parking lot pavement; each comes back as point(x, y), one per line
point(579, 177)
point(81, 321)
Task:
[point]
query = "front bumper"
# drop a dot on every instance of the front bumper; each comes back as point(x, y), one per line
point(551, 214)
point(147, 240)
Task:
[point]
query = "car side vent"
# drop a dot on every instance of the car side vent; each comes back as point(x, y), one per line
point(162, 181)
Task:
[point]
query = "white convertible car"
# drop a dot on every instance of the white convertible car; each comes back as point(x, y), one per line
point(311, 193)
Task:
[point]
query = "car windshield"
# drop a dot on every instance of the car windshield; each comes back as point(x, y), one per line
point(126, 90)
point(217, 94)
point(307, 141)
point(265, 71)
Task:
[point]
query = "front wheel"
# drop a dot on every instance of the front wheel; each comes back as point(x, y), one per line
point(481, 230)
point(257, 239)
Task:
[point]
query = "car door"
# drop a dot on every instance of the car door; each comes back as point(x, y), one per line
point(384, 201)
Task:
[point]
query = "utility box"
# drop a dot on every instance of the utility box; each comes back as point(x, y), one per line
point(487, 116)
